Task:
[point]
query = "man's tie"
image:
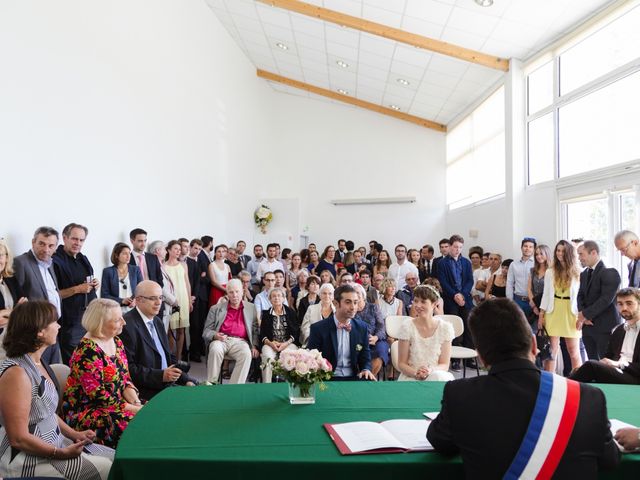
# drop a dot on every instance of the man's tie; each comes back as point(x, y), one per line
point(344, 326)
point(589, 275)
point(632, 276)
point(141, 264)
point(156, 340)
point(428, 267)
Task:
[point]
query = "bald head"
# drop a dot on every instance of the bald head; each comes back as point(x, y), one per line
point(149, 298)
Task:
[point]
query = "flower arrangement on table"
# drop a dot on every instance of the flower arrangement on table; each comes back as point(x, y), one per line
point(302, 369)
point(262, 217)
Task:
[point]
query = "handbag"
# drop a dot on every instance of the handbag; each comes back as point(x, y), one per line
point(544, 343)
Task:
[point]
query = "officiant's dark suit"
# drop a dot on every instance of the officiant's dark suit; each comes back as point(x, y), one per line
point(489, 435)
point(597, 302)
point(145, 364)
point(323, 336)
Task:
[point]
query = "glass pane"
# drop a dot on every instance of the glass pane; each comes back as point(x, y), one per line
point(588, 219)
point(488, 118)
point(612, 46)
point(541, 158)
point(540, 88)
point(459, 140)
point(601, 129)
point(459, 187)
point(628, 221)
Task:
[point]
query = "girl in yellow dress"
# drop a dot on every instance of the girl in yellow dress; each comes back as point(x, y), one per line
point(559, 306)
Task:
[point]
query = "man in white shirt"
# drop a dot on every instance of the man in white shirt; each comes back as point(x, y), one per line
point(518, 276)
point(398, 271)
point(622, 361)
point(269, 264)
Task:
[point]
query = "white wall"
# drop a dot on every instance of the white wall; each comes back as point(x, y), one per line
point(127, 113)
point(327, 151)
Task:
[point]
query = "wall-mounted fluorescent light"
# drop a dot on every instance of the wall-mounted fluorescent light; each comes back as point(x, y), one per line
point(373, 201)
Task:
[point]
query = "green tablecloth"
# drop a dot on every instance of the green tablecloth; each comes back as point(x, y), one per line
point(249, 431)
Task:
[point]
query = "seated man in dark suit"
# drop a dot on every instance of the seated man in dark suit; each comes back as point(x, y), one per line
point(622, 360)
point(343, 340)
point(151, 365)
point(485, 418)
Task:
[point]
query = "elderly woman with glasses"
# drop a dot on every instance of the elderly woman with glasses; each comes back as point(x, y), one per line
point(100, 394)
point(318, 312)
point(279, 331)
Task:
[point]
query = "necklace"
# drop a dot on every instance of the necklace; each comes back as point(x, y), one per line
point(393, 299)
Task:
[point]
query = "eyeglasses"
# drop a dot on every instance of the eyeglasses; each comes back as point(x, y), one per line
point(624, 250)
point(268, 279)
point(158, 298)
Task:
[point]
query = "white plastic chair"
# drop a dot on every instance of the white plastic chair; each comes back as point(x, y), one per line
point(458, 352)
point(392, 325)
point(61, 372)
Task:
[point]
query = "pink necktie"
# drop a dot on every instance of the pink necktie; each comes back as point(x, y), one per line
point(346, 326)
point(141, 261)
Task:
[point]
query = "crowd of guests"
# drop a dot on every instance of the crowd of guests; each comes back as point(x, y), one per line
point(163, 305)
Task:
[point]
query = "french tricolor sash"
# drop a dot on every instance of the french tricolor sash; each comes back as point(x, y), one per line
point(550, 427)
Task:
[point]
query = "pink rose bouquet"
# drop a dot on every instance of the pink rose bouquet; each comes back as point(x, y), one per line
point(303, 368)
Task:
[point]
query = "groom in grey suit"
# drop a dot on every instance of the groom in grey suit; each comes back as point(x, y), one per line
point(37, 279)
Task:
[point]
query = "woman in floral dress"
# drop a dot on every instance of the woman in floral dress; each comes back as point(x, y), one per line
point(99, 394)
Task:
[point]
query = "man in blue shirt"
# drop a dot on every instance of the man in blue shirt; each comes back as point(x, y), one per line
point(518, 276)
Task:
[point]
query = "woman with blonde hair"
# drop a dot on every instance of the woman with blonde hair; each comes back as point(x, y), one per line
point(100, 394)
point(317, 312)
point(559, 307)
point(388, 302)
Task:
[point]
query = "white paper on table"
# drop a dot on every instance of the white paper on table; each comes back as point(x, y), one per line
point(413, 433)
point(363, 436)
point(617, 425)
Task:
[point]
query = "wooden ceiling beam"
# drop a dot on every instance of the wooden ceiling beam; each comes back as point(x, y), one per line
point(391, 33)
point(351, 100)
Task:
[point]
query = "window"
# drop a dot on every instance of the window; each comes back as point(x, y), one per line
point(476, 154)
point(582, 104)
point(599, 218)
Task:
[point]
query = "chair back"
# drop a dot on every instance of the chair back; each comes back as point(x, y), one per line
point(394, 355)
point(61, 372)
point(456, 323)
point(393, 323)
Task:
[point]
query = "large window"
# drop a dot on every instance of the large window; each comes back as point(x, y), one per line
point(599, 217)
point(476, 154)
point(583, 101)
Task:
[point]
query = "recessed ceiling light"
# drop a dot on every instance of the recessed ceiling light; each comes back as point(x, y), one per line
point(403, 81)
point(342, 91)
point(484, 3)
point(282, 46)
point(394, 107)
point(342, 64)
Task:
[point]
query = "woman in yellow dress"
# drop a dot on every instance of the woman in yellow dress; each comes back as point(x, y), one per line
point(179, 279)
point(559, 306)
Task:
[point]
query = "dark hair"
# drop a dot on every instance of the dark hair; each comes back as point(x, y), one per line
point(169, 245)
point(46, 232)
point(182, 240)
point(349, 245)
point(272, 245)
point(456, 238)
point(341, 290)
point(500, 331)
point(429, 248)
point(379, 247)
point(222, 245)
point(400, 245)
point(444, 241)
point(629, 292)
point(25, 321)
point(342, 240)
point(507, 262)
point(314, 278)
point(529, 240)
point(326, 251)
point(366, 271)
point(195, 241)
point(285, 252)
point(117, 250)
point(135, 232)
point(304, 255)
point(476, 249)
point(278, 271)
point(207, 240)
point(426, 292)
point(67, 229)
point(590, 246)
point(434, 282)
point(256, 246)
point(486, 254)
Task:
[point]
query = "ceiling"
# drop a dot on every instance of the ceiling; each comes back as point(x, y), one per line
point(439, 87)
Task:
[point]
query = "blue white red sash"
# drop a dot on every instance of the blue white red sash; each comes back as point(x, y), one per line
point(550, 427)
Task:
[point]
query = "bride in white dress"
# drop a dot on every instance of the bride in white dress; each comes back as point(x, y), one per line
point(425, 341)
